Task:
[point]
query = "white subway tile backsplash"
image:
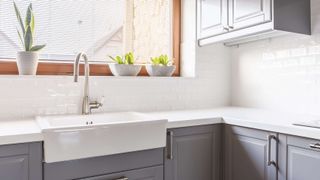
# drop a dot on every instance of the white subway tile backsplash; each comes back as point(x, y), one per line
point(26, 97)
point(280, 74)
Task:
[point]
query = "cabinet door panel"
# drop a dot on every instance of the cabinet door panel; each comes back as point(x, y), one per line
point(246, 154)
point(300, 161)
point(245, 13)
point(21, 161)
point(303, 164)
point(14, 168)
point(196, 154)
point(212, 17)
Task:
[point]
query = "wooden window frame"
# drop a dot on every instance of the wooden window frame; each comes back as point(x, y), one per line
point(9, 66)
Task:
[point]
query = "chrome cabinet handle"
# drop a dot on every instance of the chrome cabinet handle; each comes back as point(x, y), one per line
point(226, 28)
point(122, 178)
point(169, 150)
point(269, 161)
point(231, 27)
point(315, 146)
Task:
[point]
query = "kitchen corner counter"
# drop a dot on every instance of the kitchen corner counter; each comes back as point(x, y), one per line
point(246, 117)
point(19, 131)
point(12, 132)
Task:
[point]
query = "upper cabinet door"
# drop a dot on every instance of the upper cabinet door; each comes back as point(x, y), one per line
point(212, 17)
point(245, 13)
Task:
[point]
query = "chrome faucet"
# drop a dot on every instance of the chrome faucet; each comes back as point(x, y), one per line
point(87, 106)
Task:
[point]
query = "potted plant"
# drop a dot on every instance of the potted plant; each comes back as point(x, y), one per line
point(124, 66)
point(27, 60)
point(161, 66)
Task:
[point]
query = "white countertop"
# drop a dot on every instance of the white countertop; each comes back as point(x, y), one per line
point(19, 131)
point(12, 132)
point(245, 117)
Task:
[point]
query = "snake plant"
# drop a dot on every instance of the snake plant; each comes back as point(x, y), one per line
point(26, 35)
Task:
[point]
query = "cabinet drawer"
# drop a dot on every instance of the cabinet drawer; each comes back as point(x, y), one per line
point(305, 143)
point(16, 149)
point(152, 173)
point(91, 167)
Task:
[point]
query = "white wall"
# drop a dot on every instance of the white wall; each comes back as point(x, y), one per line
point(281, 73)
point(25, 97)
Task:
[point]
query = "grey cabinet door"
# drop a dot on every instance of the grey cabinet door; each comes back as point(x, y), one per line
point(21, 162)
point(212, 17)
point(152, 173)
point(299, 160)
point(245, 13)
point(14, 168)
point(246, 154)
point(194, 153)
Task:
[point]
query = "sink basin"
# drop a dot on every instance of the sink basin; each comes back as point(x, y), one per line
point(84, 136)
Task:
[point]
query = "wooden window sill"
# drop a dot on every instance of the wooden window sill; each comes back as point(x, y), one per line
point(50, 68)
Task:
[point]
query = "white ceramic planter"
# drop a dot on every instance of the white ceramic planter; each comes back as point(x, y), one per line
point(125, 70)
point(165, 71)
point(27, 62)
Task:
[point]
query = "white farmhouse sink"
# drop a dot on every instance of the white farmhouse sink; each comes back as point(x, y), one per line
point(84, 136)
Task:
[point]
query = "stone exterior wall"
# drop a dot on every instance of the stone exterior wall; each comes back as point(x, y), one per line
point(150, 29)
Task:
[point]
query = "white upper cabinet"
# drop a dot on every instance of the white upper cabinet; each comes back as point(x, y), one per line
point(212, 17)
point(238, 21)
point(245, 13)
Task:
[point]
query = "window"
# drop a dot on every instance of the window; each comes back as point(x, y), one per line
point(97, 27)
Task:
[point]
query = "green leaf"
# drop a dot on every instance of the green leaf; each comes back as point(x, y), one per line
point(112, 58)
point(155, 61)
point(129, 58)
point(162, 60)
point(37, 47)
point(32, 24)
point(28, 16)
point(28, 39)
point(117, 59)
point(20, 37)
point(19, 17)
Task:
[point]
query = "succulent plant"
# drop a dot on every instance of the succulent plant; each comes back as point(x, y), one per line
point(26, 35)
point(127, 59)
point(162, 60)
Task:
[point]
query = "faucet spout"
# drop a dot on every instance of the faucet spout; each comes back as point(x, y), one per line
point(86, 101)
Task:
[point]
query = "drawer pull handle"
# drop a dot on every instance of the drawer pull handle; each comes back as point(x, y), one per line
point(315, 146)
point(269, 161)
point(122, 178)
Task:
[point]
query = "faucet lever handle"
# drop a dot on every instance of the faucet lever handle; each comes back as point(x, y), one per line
point(102, 100)
point(96, 104)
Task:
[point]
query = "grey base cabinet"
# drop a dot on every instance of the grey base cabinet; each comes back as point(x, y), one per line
point(21, 162)
point(153, 173)
point(193, 153)
point(247, 153)
point(299, 158)
point(141, 165)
